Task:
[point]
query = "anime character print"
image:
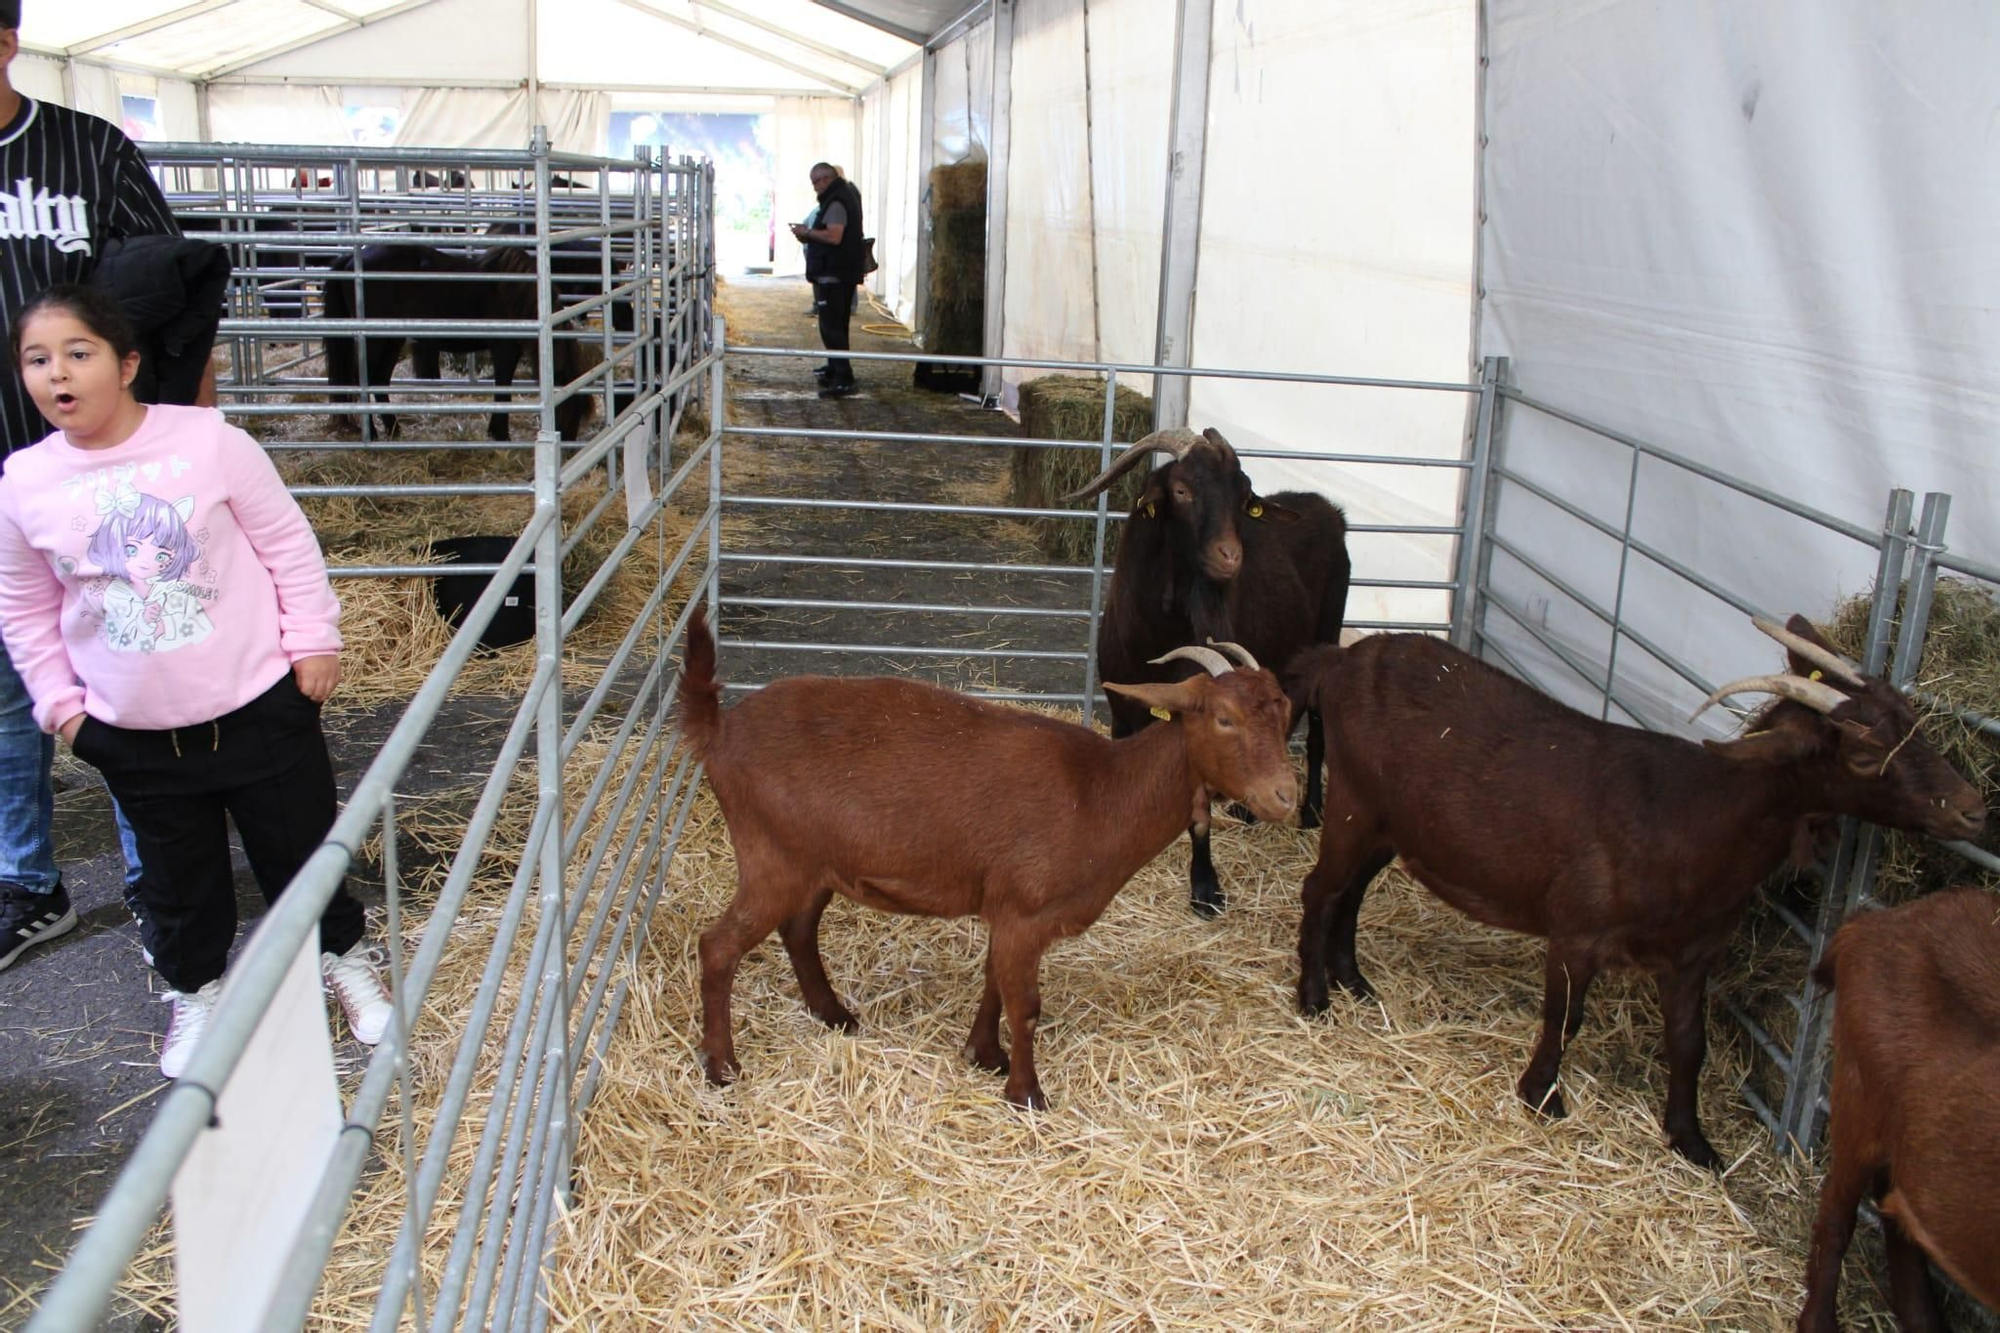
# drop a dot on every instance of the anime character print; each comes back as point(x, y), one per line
point(143, 545)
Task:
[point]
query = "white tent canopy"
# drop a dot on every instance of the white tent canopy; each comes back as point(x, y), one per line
point(1756, 235)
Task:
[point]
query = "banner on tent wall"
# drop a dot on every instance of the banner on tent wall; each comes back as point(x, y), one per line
point(1337, 238)
point(1760, 236)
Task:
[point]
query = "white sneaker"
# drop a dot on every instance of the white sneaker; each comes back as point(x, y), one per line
point(352, 978)
point(185, 1028)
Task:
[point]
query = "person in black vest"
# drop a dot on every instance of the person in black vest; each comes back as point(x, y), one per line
point(836, 261)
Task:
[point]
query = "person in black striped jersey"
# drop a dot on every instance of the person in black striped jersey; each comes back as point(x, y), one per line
point(68, 183)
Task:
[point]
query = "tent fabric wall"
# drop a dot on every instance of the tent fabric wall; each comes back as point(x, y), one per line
point(1348, 250)
point(40, 78)
point(180, 111)
point(891, 117)
point(964, 101)
point(1761, 236)
point(1049, 307)
point(465, 118)
point(577, 121)
point(97, 91)
point(287, 114)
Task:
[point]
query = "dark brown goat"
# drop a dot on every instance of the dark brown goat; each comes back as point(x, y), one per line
point(1204, 557)
point(1916, 1076)
point(910, 798)
point(1622, 848)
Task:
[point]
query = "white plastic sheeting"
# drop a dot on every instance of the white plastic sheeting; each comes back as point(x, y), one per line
point(891, 120)
point(963, 124)
point(1761, 236)
point(1337, 235)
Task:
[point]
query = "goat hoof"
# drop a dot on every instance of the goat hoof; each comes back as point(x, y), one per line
point(1207, 905)
point(1313, 1002)
point(1029, 1099)
point(1548, 1103)
point(720, 1072)
point(1694, 1146)
point(840, 1021)
point(1356, 985)
point(993, 1062)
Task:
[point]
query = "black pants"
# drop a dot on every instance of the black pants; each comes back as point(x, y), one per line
point(835, 302)
point(265, 766)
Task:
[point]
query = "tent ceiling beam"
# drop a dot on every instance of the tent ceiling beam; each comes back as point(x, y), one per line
point(126, 66)
point(347, 14)
point(955, 29)
point(860, 15)
point(144, 26)
point(297, 43)
point(834, 52)
point(710, 34)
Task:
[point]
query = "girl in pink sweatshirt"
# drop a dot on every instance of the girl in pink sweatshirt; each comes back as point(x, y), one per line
point(165, 601)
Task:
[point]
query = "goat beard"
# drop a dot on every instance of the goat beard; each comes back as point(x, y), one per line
point(1208, 610)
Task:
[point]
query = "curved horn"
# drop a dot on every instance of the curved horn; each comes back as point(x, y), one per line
point(1216, 663)
point(1173, 441)
point(1816, 695)
point(1830, 662)
point(1240, 653)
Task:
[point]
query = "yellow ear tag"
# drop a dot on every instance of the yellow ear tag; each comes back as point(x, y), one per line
point(1816, 674)
point(1161, 713)
point(1256, 511)
point(1149, 509)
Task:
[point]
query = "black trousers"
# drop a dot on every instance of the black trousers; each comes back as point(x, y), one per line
point(265, 765)
point(835, 303)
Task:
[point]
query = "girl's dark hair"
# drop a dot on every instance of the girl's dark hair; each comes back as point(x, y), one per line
point(96, 311)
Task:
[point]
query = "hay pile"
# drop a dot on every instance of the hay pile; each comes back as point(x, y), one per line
point(1071, 407)
point(392, 631)
point(954, 323)
point(1213, 1160)
point(1960, 668)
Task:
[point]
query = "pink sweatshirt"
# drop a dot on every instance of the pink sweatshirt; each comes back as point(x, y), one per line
point(172, 575)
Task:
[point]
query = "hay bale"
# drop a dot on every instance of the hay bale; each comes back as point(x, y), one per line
point(1071, 407)
point(1960, 668)
point(958, 185)
point(955, 320)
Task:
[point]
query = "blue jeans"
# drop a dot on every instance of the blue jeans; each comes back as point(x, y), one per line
point(28, 795)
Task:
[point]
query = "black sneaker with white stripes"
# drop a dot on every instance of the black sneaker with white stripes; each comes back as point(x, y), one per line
point(26, 919)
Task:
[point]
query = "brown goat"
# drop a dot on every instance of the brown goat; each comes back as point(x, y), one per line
point(1622, 848)
point(915, 799)
point(1916, 1077)
point(1203, 557)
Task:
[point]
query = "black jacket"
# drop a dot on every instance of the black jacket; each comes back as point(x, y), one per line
point(847, 261)
point(171, 289)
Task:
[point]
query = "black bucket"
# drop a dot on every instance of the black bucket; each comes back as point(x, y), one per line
point(514, 622)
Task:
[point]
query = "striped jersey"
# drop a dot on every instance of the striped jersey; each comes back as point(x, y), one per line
point(68, 182)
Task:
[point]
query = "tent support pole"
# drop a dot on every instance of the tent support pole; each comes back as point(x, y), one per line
point(926, 159)
point(1183, 227)
point(1180, 242)
point(996, 193)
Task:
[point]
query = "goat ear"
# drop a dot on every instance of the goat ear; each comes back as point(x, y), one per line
point(1802, 627)
point(1777, 745)
point(1149, 502)
point(1269, 510)
point(1180, 696)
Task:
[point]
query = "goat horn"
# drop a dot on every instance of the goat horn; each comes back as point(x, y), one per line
point(1816, 695)
point(1830, 662)
point(1173, 441)
point(1240, 653)
point(1216, 663)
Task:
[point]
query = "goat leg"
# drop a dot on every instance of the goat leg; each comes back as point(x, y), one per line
point(1309, 809)
point(506, 357)
point(983, 1046)
point(1330, 903)
point(1911, 1294)
point(1565, 982)
point(1833, 1227)
point(1204, 889)
point(1016, 965)
point(800, 932)
point(741, 927)
point(1683, 1003)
